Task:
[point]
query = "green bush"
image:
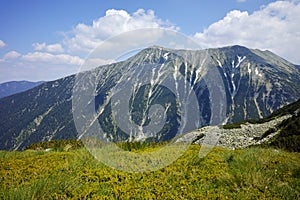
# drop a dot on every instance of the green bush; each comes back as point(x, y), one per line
point(232, 126)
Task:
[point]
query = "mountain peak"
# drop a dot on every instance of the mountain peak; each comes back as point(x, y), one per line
point(255, 84)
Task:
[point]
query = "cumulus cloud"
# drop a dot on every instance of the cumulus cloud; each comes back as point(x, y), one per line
point(37, 66)
point(2, 44)
point(85, 38)
point(50, 61)
point(11, 55)
point(52, 48)
point(274, 27)
point(52, 58)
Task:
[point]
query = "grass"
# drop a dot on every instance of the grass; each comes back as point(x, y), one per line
point(253, 173)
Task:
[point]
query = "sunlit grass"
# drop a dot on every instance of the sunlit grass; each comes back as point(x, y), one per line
point(225, 174)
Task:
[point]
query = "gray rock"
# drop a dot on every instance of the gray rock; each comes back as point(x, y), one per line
point(248, 134)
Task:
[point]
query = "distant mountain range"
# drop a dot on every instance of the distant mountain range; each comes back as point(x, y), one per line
point(256, 83)
point(13, 87)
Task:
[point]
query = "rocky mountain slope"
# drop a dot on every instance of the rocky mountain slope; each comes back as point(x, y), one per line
point(281, 129)
point(13, 87)
point(255, 84)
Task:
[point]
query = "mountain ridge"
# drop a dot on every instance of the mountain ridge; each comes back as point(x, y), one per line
point(13, 87)
point(255, 86)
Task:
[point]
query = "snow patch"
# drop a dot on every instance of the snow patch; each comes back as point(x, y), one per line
point(232, 64)
point(166, 56)
point(249, 69)
point(233, 85)
point(256, 71)
point(219, 63)
point(240, 60)
point(232, 82)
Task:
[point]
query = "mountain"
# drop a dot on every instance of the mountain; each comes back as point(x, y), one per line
point(281, 129)
point(255, 82)
point(39, 112)
point(13, 87)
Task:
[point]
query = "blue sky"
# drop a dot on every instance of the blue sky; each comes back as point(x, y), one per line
point(46, 40)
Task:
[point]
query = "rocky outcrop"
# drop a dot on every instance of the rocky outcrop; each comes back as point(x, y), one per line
point(235, 138)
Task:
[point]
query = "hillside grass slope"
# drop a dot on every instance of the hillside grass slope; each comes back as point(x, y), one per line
point(72, 173)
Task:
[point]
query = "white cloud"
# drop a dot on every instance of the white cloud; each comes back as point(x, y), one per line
point(11, 55)
point(274, 27)
point(52, 48)
point(85, 38)
point(49, 58)
point(48, 61)
point(241, 1)
point(2, 44)
point(37, 66)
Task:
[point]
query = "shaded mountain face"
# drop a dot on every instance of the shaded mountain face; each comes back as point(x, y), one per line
point(255, 83)
point(13, 87)
point(258, 82)
point(40, 114)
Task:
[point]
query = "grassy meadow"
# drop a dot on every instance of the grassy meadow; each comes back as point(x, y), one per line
point(72, 173)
